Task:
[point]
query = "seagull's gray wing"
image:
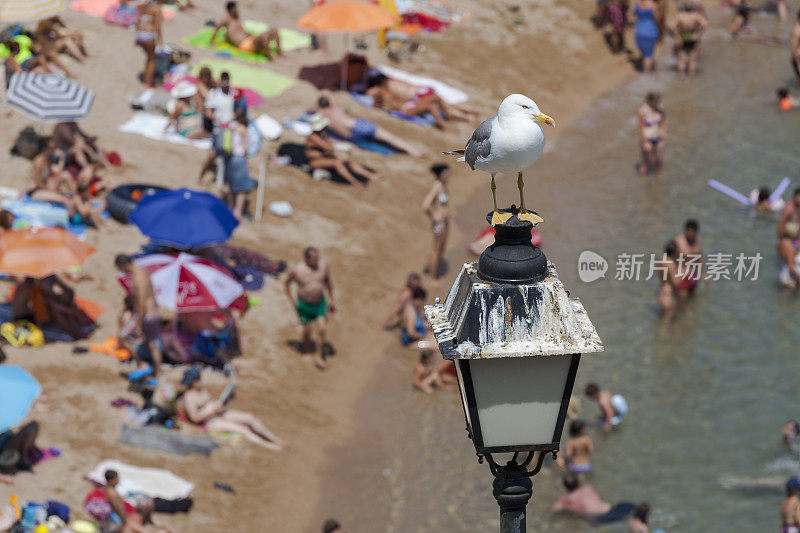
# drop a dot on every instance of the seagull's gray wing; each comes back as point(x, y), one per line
point(479, 145)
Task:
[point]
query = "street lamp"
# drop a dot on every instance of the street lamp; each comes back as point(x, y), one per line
point(516, 338)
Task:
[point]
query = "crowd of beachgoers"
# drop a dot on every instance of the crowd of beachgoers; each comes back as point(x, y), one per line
point(188, 289)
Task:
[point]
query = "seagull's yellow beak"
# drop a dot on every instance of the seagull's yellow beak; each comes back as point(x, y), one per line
point(543, 119)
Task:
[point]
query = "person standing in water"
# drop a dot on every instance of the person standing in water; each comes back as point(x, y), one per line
point(612, 406)
point(652, 132)
point(579, 448)
point(668, 290)
point(790, 508)
point(790, 213)
point(794, 46)
point(690, 258)
point(312, 277)
point(638, 523)
point(148, 36)
point(686, 28)
point(788, 245)
point(435, 206)
point(646, 31)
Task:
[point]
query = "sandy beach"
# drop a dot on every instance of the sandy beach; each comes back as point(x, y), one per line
point(371, 238)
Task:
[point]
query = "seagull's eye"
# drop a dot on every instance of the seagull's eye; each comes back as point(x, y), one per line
point(525, 107)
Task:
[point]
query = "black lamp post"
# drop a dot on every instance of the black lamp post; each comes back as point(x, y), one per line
point(516, 338)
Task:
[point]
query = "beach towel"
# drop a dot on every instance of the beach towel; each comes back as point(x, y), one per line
point(165, 440)
point(290, 40)
point(99, 8)
point(152, 127)
point(438, 9)
point(424, 120)
point(152, 482)
point(449, 94)
point(265, 82)
point(34, 214)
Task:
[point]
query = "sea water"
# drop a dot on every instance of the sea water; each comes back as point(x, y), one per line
point(708, 394)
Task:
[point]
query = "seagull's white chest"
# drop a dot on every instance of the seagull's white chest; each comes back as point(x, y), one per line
point(516, 144)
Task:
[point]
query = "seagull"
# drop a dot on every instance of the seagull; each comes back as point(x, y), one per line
point(509, 143)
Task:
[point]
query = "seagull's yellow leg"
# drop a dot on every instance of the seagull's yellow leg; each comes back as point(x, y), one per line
point(524, 214)
point(497, 216)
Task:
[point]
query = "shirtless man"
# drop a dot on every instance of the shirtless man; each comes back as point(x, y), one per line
point(686, 28)
point(145, 308)
point(235, 34)
point(583, 501)
point(612, 406)
point(313, 280)
point(579, 448)
point(112, 496)
point(358, 129)
point(790, 213)
point(790, 508)
point(690, 258)
point(794, 46)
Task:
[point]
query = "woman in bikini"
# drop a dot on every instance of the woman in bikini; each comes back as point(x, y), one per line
point(789, 275)
point(185, 117)
point(435, 206)
point(668, 290)
point(198, 407)
point(652, 132)
point(148, 36)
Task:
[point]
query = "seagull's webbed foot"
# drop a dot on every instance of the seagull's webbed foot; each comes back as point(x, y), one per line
point(529, 216)
point(498, 218)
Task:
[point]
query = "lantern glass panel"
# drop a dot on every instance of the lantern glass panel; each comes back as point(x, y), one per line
point(518, 399)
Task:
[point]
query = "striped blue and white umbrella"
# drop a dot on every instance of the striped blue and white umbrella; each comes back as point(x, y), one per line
point(49, 96)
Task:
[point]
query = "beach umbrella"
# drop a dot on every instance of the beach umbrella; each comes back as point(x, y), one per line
point(40, 252)
point(347, 16)
point(184, 218)
point(49, 96)
point(29, 10)
point(185, 282)
point(18, 391)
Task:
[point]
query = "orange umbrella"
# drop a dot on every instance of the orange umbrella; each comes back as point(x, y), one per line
point(38, 253)
point(347, 16)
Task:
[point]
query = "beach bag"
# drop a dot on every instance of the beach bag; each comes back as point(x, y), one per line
point(22, 332)
point(28, 144)
point(251, 278)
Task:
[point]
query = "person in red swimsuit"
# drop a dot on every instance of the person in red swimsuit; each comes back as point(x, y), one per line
point(690, 258)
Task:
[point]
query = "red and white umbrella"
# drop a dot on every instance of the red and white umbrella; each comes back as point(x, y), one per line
point(186, 282)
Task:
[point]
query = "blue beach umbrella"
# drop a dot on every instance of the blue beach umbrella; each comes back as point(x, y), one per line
point(184, 218)
point(18, 390)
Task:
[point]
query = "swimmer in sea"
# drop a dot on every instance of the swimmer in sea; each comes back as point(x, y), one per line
point(786, 101)
point(612, 406)
point(578, 449)
point(790, 507)
point(790, 434)
point(652, 132)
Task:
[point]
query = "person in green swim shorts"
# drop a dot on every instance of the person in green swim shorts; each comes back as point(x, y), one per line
point(310, 290)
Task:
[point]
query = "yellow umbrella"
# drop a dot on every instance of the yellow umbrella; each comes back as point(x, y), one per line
point(38, 253)
point(29, 10)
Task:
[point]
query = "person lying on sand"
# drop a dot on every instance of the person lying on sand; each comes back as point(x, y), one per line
point(359, 129)
point(49, 31)
point(320, 153)
point(414, 100)
point(37, 63)
point(428, 375)
point(79, 147)
point(200, 409)
point(238, 37)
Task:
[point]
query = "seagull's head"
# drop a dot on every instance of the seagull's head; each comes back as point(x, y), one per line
point(517, 105)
